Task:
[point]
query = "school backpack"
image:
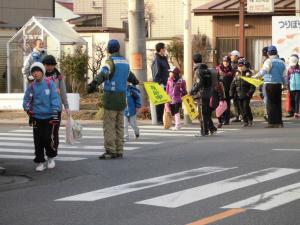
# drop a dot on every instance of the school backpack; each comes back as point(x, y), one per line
point(206, 78)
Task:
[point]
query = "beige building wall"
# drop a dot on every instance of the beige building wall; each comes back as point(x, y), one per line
point(167, 17)
point(84, 7)
point(18, 12)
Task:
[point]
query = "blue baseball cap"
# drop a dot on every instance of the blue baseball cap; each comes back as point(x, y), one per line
point(272, 50)
point(113, 46)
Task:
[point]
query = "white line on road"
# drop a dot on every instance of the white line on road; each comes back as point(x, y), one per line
point(195, 194)
point(67, 159)
point(269, 200)
point(287, 149)
point(64, 146)
point(144, 184)
point(11, 150)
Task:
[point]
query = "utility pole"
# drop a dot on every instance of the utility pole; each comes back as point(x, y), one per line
point(137, 43)
point(242, 27)
point(187, 50)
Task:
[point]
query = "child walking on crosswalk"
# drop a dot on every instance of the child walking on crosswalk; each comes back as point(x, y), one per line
point(41, 102)
point(133, 105)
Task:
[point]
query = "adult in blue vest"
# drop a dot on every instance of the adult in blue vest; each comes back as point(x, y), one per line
point(274, 73)
point(114, 74)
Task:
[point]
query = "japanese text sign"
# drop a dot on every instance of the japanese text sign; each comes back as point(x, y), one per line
point(156, 93)
point(190, 106)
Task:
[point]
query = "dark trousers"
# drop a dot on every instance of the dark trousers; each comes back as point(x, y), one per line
point(274, 104)
point(206, 123)
point(246, 112)
point(237, 110)
point(160, 112)
point(56, 132)
point(43, 140)
point(296, 100)
point(292, 103)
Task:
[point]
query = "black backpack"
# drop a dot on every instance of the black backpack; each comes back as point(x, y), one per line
point(206, 78)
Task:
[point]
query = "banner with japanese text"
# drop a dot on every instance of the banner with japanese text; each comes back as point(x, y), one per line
point(156, 93)
point(190, 106)
point(286, 35)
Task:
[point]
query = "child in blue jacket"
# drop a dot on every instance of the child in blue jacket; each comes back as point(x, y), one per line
point(42, 103)
point(133, 104)
point(294, 82)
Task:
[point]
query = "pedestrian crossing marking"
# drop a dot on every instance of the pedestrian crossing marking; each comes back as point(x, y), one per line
point(62, 146)
point(287, 149)
point(61, 152)
point(59, 158)
point(144, 184)
point(269, 200)
point(195, 194)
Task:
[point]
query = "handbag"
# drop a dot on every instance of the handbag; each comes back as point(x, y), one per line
point(221, 108)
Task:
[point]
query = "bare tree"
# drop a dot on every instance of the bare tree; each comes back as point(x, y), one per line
point(95, 62)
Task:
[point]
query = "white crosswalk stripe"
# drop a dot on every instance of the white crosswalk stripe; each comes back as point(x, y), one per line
point(264, 201)
point(271, 199)
point(143, 184)
point(20, 141)
point(59, 158)
point(195, 194)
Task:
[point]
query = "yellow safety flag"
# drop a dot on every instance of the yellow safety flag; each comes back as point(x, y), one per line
point(156, 93)
point(253, 81)
point(190, 106)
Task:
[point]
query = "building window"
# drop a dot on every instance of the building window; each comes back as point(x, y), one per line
point(126, 28)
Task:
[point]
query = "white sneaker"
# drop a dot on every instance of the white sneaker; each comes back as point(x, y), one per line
point(50, 163)
point(175, 128)
point(40, 167)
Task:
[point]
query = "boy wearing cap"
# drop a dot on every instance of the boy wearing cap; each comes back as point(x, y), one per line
point(53, 73)
point(42, 103)
point(244, 91)
point(274, 73)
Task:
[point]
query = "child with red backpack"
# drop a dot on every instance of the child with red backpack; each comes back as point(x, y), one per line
point(176, 89)
point(53, 74)
point(41, 102)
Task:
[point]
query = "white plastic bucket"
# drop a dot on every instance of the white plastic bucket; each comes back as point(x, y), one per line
point(74, 101)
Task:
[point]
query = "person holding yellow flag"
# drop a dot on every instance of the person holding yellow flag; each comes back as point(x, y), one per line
point(244, 91)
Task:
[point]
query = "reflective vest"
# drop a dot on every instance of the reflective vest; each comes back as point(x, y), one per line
point(118, 80)
point(276, 73)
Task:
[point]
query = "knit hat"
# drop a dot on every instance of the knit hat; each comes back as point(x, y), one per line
point(226, 59)
point(113, 46)
point(242, 62)
point(37, 66)
point(197, 58)
point(235, 53)
point(293, 60)
point(174, 70)
point(49, 60)
point(272, 50)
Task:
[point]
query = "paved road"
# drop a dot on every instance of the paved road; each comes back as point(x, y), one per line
point(238, 177)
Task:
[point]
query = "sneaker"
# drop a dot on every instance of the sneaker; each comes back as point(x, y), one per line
point(108, 156)
point(226, 123)
point(50, 163)
point(213, 131)
point(289, 115)
point(119, 155)
point(296, 116)
point(137, 136)
point(201, 134)
point(219, 125)
point(236, 120)
point(175, 128)
point(250, 123)
point(245, 125)
point(126, 139)
point(40, 167)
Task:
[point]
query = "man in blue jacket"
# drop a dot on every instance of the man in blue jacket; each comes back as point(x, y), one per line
point(42, 103)
point(160, 74)
point(274, 73)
